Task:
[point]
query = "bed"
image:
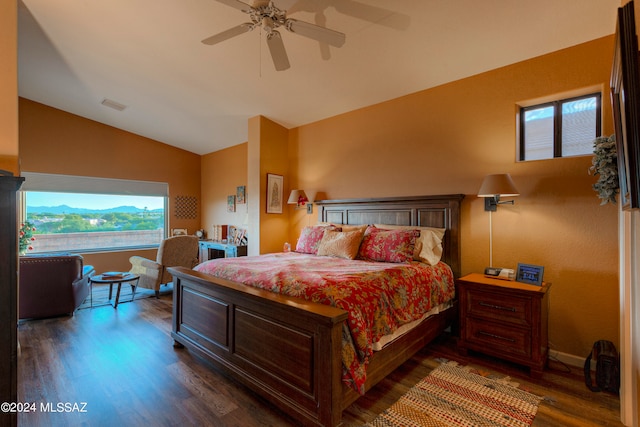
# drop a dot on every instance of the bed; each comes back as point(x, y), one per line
point(289, 350)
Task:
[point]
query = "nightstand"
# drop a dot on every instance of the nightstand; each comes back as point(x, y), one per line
point(505, 319)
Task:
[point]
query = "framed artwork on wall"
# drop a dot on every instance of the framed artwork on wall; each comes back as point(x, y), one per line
point(241, 192)
point(231, 203)
point(274, 193)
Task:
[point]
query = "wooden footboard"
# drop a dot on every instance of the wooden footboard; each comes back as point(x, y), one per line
point(284, 349)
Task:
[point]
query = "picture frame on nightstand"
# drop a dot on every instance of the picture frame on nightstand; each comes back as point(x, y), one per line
point(530, 274)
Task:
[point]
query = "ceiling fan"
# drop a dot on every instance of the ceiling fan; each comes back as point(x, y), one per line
point(264, 13)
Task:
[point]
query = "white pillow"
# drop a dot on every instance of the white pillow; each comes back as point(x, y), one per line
point(428, 247)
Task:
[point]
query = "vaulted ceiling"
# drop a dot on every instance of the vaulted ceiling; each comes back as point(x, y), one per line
point(147, 55)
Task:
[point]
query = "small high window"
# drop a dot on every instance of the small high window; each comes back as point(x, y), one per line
point(561, 128)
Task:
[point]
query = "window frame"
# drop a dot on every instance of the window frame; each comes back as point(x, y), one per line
point(55, 183)
point(165, 233)
point(557, 123)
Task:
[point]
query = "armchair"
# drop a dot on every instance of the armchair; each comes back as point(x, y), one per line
point(52, 285)
point(177, 251)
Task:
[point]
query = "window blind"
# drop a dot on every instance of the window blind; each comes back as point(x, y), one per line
point(35, 181)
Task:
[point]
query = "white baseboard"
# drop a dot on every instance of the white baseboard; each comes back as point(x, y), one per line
point(570, 359)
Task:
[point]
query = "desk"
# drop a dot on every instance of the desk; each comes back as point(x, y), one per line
point(115, 278)
point(210, 249)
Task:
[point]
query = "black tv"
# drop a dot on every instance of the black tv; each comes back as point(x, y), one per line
point(625, 100)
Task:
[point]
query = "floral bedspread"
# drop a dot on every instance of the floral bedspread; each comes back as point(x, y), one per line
point(379, 297)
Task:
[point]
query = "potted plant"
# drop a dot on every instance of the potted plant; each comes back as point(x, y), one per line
point(605, 166)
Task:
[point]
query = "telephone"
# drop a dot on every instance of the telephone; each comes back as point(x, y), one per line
point(500, 273)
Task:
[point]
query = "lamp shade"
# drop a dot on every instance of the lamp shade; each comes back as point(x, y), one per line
point(297, 197)
point(498, 185)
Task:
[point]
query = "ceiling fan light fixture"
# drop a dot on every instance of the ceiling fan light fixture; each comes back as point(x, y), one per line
point(265, 14)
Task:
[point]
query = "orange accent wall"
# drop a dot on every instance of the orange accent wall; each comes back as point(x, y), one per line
point(222, 173)
point(446, 139)
point(53, 141)
point(268, 147)
point(9, 87)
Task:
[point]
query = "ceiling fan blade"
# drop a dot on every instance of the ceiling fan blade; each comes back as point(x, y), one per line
point(236, 4)
point(231, 32)
point(278, 53)
point(321, 34)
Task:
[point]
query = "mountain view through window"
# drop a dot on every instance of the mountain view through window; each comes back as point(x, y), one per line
point(92, 222)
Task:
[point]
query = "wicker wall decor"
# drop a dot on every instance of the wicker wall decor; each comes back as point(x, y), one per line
point(186, 207)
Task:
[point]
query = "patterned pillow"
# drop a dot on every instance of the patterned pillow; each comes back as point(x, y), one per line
point(339, 244)
point(428, 247)
point(388, 245)
point(310, 238)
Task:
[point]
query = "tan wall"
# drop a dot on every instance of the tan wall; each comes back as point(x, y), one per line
point(268, 142)
point(446, 139)
point(9, 86)
point(248, 164)
point(222, 172)
point(53, 141)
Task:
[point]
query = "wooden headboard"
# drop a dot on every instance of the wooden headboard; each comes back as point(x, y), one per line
point(441, 211)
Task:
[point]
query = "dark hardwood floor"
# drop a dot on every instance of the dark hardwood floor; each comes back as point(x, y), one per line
point(121, 363)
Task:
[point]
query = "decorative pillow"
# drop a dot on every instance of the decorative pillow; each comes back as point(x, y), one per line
point(310, 237)
point(346, 227)
point(339, 244)
point(388, 245)
point(428, 248)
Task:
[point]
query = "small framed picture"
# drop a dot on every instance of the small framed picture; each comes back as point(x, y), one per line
point(531, 274)
point(231, 203)
point(178, 231)
point(274, 193)
point(241, 192)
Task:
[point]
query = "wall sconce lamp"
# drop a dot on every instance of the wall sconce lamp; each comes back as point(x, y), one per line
point(300, 199)
point(493, 187)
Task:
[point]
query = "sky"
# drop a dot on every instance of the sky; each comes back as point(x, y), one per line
point(92, 201)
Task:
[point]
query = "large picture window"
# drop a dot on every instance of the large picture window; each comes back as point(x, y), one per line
point(561, 128)
point(117, 214)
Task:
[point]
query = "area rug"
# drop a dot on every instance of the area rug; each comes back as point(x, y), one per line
point(454, 395)
point(100, 294)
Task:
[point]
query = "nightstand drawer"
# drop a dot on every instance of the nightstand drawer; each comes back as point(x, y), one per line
point(501, 307)
point(494, 337)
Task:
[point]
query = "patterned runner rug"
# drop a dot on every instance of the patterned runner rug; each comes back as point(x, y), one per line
point(452, 395)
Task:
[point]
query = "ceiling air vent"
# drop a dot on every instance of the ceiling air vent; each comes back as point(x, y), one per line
point(113, 104)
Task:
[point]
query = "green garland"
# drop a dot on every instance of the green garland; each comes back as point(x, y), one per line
point(605, 165)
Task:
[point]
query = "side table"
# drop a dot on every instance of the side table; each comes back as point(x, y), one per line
point(115, 278)
point(505, 319)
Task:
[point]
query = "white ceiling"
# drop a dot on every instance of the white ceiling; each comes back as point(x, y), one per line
point(147, 55)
